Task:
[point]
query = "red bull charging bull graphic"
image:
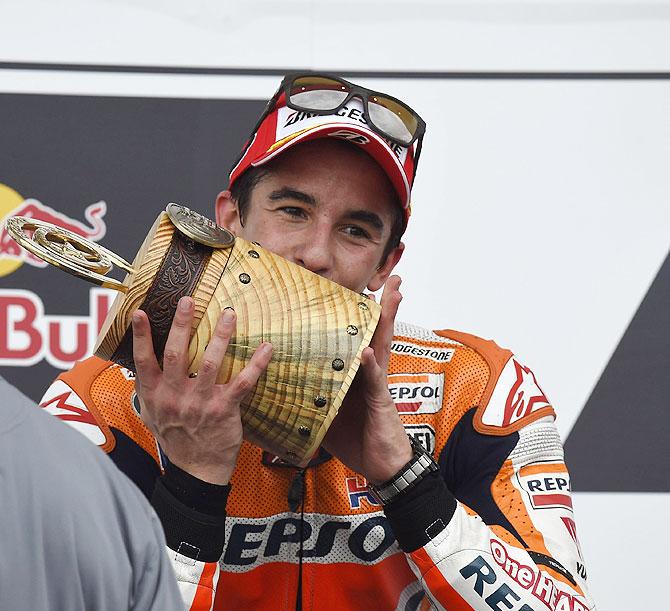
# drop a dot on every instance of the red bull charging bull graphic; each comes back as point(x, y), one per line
point(27, 333)
point(12, 256)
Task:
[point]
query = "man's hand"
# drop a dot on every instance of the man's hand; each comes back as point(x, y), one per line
point(367, 434)
point(195, 420)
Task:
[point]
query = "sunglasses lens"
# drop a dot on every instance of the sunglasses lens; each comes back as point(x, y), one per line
point(389, 117)
point(393, 118)
point(317, 92)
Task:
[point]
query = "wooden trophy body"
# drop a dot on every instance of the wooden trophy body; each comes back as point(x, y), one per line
point(318, 329)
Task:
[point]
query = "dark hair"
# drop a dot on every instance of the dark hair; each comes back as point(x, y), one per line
point(242, 188)
point(397, 228)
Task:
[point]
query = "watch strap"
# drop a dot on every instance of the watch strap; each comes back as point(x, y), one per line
point(420, 465)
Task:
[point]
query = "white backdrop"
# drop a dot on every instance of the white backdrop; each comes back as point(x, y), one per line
point(541, 207)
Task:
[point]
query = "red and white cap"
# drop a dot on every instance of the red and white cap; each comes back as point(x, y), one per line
point(284, 127)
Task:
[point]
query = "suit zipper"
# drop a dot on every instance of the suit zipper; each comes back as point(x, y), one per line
point(296, 497)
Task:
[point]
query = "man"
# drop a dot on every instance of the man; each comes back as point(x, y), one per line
point(374, 521)
point(76, 533)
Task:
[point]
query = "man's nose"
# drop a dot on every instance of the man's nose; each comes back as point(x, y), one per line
point(314, 253)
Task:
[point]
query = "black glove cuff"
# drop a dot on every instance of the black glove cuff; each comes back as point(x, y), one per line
point(195, 493)
point(421, 513)
point(189, 532)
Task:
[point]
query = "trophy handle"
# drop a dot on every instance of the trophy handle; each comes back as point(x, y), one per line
point(68, 251)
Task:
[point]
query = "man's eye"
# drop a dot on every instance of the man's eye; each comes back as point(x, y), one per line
point(356, 231)
point(293, 211)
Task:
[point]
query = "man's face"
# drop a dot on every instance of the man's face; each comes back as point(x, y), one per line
point(324, 205)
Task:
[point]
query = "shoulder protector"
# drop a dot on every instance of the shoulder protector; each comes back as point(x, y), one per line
point(69, 399)
point(512, 398)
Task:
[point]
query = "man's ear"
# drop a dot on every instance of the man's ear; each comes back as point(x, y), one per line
point(227, 213)
point(384, 271)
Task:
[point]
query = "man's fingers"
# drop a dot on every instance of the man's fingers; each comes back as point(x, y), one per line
point(390, 301)
point(242, 384)
point(176, 348)
point(391, 296)
point(146, 365)
point(369, 364)
point(216, 349)
point(375, 376)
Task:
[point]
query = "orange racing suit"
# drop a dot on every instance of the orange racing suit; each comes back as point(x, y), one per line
point(492, 529)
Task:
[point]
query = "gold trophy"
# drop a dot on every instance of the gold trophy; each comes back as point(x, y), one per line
point(318, 328)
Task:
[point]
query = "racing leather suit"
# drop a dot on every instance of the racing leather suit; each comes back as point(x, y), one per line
point(492, 529)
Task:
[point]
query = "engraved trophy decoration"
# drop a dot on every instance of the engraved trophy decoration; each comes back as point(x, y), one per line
point(318, 328)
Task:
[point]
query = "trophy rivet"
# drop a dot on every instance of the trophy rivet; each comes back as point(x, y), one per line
point(253, 254)
point(304, 431)
point(352, 330)
point(363, 306)
point(320, 401)
point(338, 364)
point(245, 278)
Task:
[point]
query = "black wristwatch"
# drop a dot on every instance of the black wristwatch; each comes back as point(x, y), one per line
point(421, 464)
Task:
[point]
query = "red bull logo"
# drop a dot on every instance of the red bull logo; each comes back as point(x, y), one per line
point(12, 256)
point(29, 335)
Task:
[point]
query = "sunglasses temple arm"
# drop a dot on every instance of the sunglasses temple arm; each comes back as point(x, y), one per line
point(417, 154)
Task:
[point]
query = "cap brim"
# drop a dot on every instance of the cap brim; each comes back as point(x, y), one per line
point(372, 144)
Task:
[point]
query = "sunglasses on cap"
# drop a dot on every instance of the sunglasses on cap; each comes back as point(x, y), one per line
point(323, 94)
